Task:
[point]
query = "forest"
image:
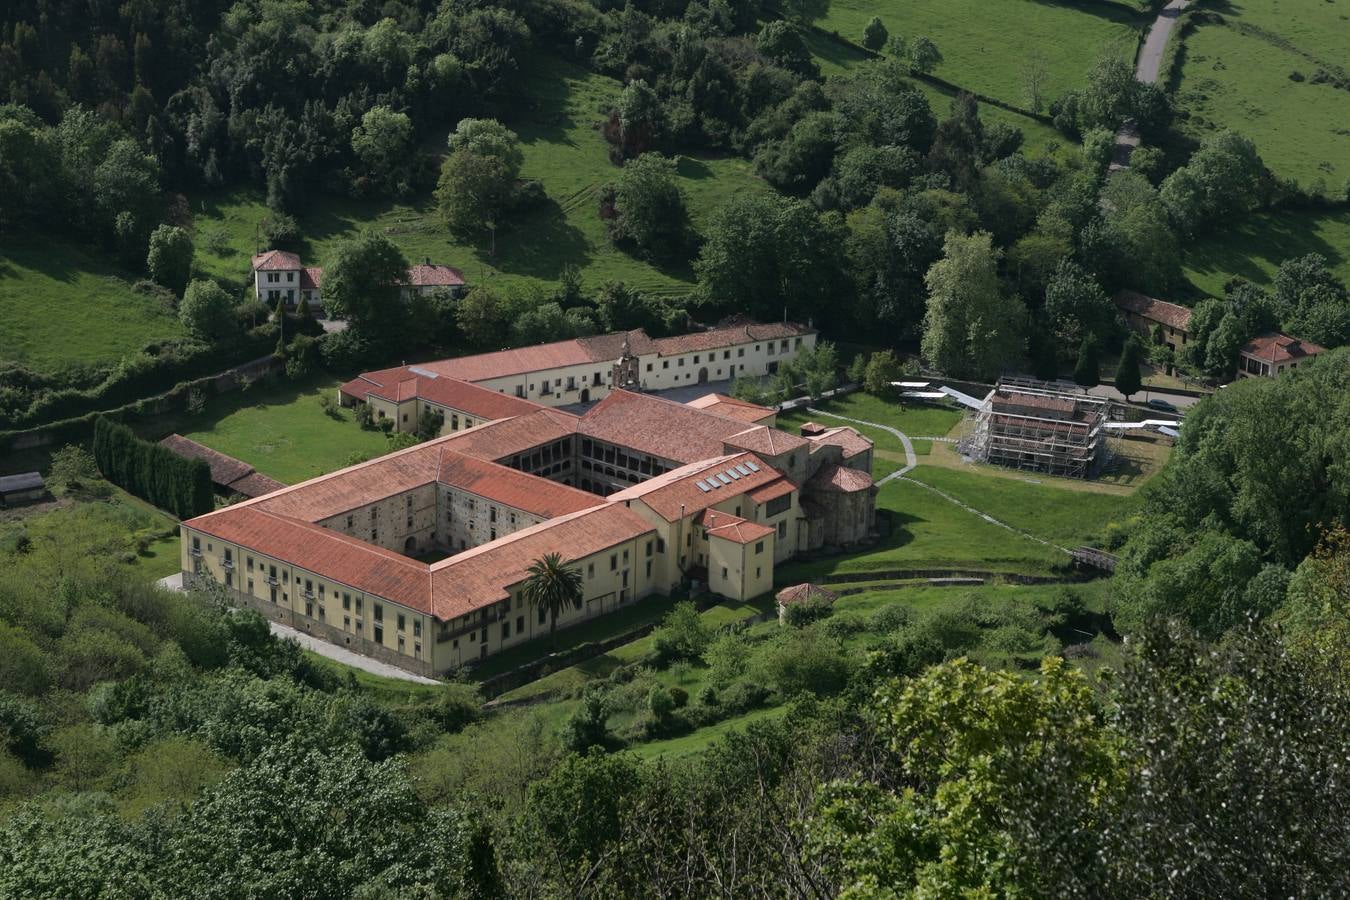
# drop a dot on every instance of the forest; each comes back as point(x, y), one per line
point(155, 744)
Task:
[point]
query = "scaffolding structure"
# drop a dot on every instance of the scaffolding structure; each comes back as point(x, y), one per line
point(1045, 427)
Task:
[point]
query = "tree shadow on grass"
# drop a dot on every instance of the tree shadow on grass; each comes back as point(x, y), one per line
point(541, 244)
point(1272, 238)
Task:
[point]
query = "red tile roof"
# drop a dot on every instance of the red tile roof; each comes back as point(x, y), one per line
point(1273, 347)
point(772, 491)
point(804, 593)
point(766, 441)
point(273, 260)
point(844, 437)
point(404, 383)
point(733, 528)
point(732, 408)
point(512, 488)
point(501, 439)
point(839, 480)
point(256, 484)
point(522, 360)
point(480, 577)
point(677, 492)
point(224, 469)
point(660, 427)
point(728, 336)
point(431, 275)
point(329, 554)
point(360, 485)
point(312, 278)
point(1170, 314)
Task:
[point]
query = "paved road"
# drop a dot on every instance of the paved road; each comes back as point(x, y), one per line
point(910, 459)
point(1180, 401)
point(1147, 69)
point(323, 648)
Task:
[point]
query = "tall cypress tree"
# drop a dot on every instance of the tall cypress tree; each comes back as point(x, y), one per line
point(1088, 371)
point(1128, 378)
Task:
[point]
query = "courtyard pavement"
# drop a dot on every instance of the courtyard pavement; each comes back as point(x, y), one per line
point(322, 647)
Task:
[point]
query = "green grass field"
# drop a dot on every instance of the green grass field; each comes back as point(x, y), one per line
point(836, 57)
point(563, 150)
point(1240, 80)
point(985, 44)
point(1255, 248)
point(278, 427)
point(61, 304)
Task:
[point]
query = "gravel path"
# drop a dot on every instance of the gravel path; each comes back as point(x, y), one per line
point(910, 459)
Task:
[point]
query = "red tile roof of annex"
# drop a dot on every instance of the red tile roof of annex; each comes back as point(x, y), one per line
point(848, 439)
point(677, 492)
point(401, 384)
point(659, 427)
point(733, 528)
point(732, 408)
point(434, 275)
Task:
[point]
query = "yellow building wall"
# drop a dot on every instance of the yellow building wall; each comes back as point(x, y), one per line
point(683, 369)
point(740, 571)
point(309, 602)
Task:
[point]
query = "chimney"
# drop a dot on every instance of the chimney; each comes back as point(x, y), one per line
point(712, 521)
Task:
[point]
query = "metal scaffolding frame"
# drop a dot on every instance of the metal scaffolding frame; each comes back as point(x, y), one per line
point(1065, 437)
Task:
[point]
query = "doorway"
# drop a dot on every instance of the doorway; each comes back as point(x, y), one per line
point(703, 376)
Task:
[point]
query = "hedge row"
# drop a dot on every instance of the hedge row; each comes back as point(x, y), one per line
point(152, 472)
point(29, 399)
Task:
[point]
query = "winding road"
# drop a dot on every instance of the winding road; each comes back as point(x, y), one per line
point(1147, 69)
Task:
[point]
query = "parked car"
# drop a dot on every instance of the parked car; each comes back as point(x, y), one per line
point(1161, 405)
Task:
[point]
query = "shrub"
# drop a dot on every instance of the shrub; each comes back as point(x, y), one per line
point(682, 635)
point(458, 707)
point(803, 662)
point(844, 625)
point(707, 695)
point(365, 416)
point(892, 618)
point(728, 658)
point(155, 473)
point(744, 696)
point(799, 615)
point(680, 696)
point(588, 726)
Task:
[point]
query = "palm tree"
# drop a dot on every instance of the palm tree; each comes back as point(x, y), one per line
point(552, 586)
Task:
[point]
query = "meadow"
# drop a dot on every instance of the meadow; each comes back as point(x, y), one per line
point(278, 427)
point(1240, 76)
point(836, 57)
point(986, 44)
point(563, 149)
point(61, 303)
point(1255, 247)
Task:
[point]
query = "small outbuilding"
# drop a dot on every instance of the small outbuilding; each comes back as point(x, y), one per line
point(803, 595)
point(18, 490)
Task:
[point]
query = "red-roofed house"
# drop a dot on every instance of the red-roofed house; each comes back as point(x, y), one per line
point(1147, 314)
point(428, 277)
point(1271, 354)
point(280, 275)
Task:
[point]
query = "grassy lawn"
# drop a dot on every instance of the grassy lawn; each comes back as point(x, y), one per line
point(61, 304)
point(276, 426)
point(562, 149)
point(1255, 247)
point(836, 57)
point(931, 532)
point(985, 43)
point(1240, 80)
point(1066, 517)
point(696, 742)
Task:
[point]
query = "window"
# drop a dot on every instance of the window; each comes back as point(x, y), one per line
point(402, 622)
point(249, 563)
point(349, 521)
point(695, 359)
point(649, 546)
point(229, 579)
point(778, 505)
point(309, 609)
point(665, 364)
point(613, 561)
point(681, 362)
point(724, 573)
point(649, 568)
point(740, 351)
point(759, 547)
point(250, 585)
point(417, 627)
point(506, 630)
point(358, 604)
point(590, 570)
point(782, 529)
point(379, 634)
point(757, 570)
point(379, 612)
point(649, 367)
point(347, 623)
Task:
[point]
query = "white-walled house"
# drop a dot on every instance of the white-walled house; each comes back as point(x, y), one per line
point(280, 275)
